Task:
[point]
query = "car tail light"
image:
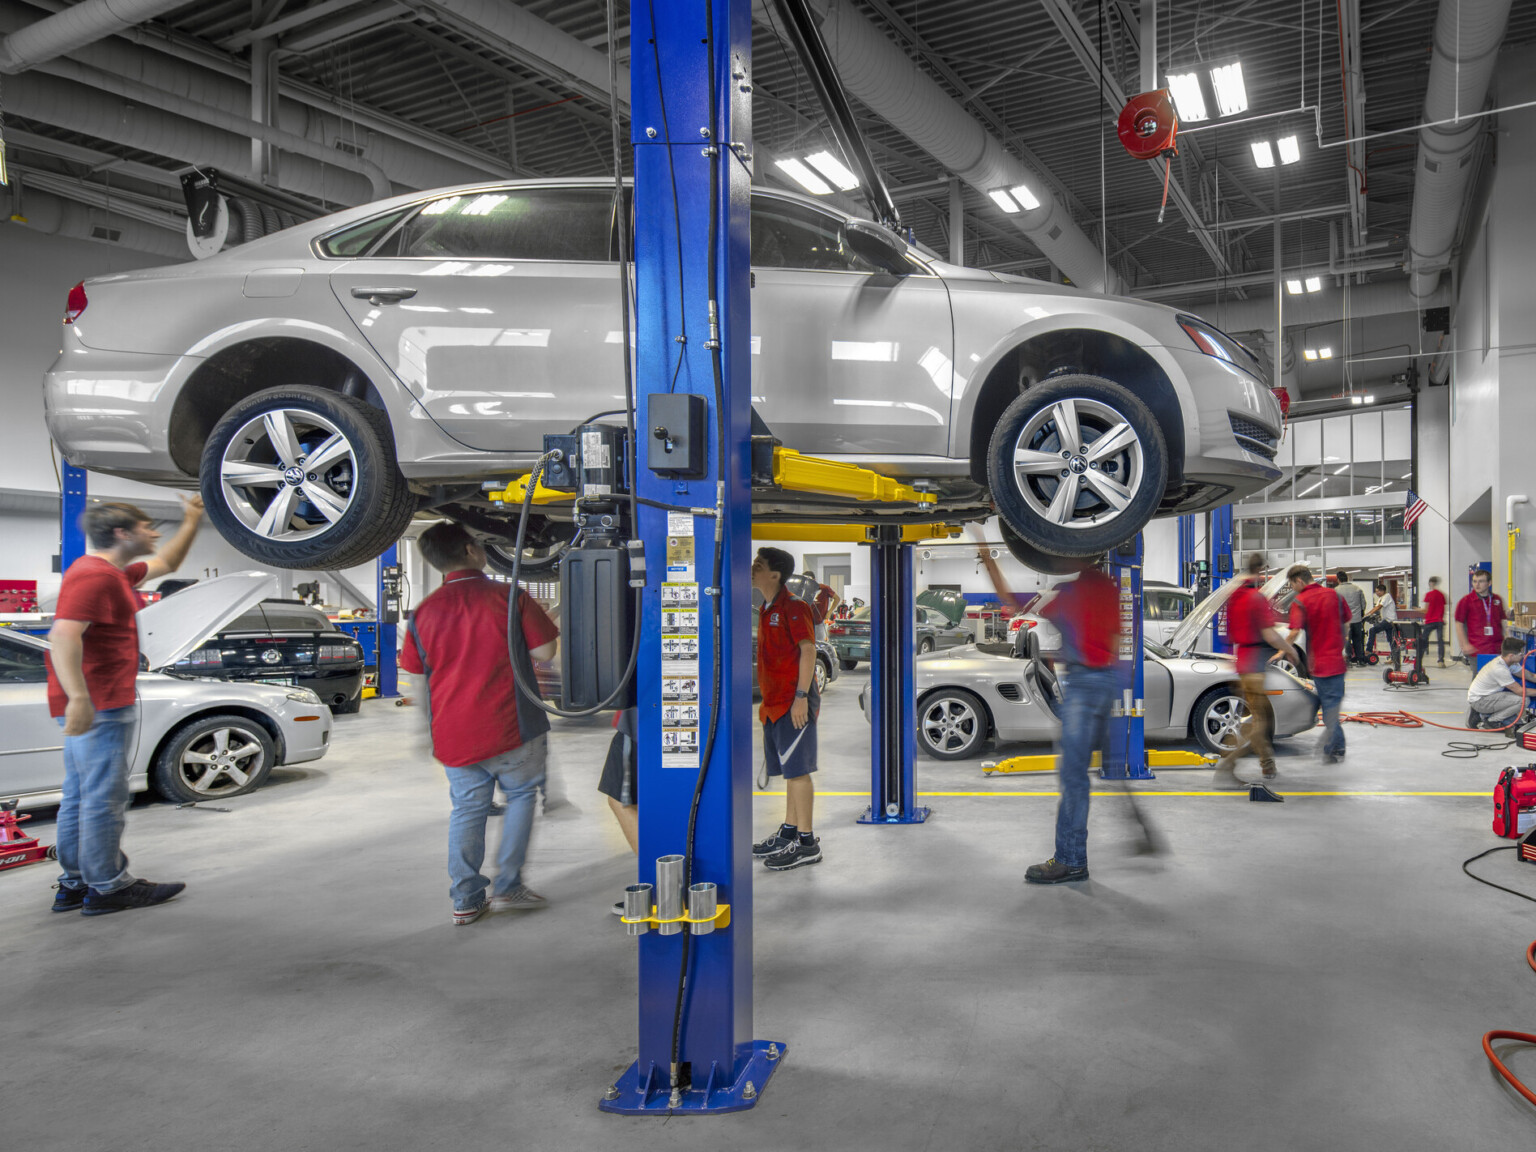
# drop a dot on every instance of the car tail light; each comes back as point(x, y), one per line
point(836, 630)
point(339, 653)
point(76, 303)
point(1015, 625)
point(202, 658)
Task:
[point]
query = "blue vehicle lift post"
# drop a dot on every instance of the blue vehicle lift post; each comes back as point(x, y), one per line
point(1219, 548)
point(387, 615)
point(892, 679)
point(1125, 747)
point(71, 506)
point(720, 1066)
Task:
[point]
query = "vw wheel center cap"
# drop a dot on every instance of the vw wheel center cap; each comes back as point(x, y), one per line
point(294, 475)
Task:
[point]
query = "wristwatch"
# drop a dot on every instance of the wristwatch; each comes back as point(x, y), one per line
point(801, 694)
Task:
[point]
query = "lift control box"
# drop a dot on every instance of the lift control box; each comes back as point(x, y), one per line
point(676, 443)
point(597, 625)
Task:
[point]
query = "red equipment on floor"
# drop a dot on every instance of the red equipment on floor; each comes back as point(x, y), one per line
point(1405, 670)
point(15, 848)
point(1514, 802)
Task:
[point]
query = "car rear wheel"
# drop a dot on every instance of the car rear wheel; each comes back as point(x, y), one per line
point(1077, 465)
point(542, 550)
point(216, 757)
point(1218, 719)
point(925, 645)
point(820, 676)
point(951, 724)
point(847, 665)
point(302, 477)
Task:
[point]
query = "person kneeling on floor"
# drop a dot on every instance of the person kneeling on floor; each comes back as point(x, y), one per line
point(1499, 693)
point(786, 665)
point(485, 729)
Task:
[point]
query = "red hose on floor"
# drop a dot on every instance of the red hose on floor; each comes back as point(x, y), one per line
point(1409, 720)
point(1523, 1037)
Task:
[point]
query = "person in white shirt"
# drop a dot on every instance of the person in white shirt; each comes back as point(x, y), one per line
point(1500, 692)
point(1384, 614)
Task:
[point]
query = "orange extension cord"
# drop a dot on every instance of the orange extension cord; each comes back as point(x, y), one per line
point(1523, 1037)
point(1409, 720)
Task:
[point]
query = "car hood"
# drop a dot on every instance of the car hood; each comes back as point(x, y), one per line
point(1199, 620)
point(170, 628)
point(950, 605)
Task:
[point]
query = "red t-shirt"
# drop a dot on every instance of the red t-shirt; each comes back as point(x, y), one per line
point(1483, 620)
point(463, 628)
point(1248, 615)
point(781, 626)
point(1434, 606)
point(99, 593)
point(1087, 611)
point(823, 602)
point(1324, 615)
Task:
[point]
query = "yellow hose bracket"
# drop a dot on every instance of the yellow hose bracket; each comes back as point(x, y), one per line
point(796, 473)
point(849, 533)
point(514, 492)
point(721, 918)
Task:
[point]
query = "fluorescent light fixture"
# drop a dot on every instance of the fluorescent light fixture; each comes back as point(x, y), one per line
point(833, 169)
point(1293, 287)
point(804, 177)
point(1231, 95)
point(1289, 150)
point(1027, 199)
point(1309, 354)
point(1314, 283)
point(1188, 100)
point(1263, 155)
point(1325, 353)
point(1003, 200)
point(438, 207)
point(1369, 399)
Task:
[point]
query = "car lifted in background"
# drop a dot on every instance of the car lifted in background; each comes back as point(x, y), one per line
point(326, 383)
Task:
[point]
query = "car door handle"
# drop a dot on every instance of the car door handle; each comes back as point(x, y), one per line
point(378, 296)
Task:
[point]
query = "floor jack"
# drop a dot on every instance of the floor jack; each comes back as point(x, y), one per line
point(1405, 671)
point(15, 848)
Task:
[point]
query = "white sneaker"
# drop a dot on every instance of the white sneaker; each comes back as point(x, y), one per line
point(518, 899)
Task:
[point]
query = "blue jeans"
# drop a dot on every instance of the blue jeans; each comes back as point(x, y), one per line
point(91, 815)
point(1330, 694)
point(520, 773)
point(1087, 696)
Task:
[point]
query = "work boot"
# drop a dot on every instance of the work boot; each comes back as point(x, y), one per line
point(1474, 719)
point(70, 897)
point(1053, 871)
point(139, 894)
point(1270, 771)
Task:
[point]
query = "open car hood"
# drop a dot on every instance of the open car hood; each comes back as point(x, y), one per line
point(170, 628)
point(950, 605)
point(1198, 622)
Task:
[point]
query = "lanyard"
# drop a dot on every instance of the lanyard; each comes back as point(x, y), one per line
point(1487, 603)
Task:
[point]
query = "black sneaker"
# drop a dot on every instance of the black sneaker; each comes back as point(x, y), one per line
point(1474, 719)
point(69, 898)
point(1053, 871)
point(139, 894)
point(775, 843)
point(794, 854)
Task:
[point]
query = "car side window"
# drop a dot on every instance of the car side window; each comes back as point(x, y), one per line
point(515, 224)
point(21, 663)
point(357, 239)
point(787, 235)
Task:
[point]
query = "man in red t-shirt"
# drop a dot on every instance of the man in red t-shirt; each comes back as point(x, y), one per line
point(485, 728)
point(93, 665)
point(1251, 629)
point(786, 665)
point(1434, 621)
point(1323, 615)
point(827, 600)
point(1480, 620)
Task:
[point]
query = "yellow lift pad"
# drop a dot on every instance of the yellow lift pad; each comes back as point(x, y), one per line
point(848, 533)
point(1156, 758)
point(796, 473)
point(514, 492)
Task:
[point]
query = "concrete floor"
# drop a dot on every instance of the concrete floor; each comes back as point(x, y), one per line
point(1313, 975)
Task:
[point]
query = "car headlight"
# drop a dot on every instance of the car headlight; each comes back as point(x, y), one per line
point(1214, 342)
point(302, 695)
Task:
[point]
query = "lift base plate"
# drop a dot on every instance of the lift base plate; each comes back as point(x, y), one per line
point(917, 816)
point(648, 1093)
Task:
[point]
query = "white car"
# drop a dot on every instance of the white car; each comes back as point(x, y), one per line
point(1165, 607)
point(197, 739)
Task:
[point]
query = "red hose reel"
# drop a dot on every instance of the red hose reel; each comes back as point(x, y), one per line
point(1149, 125)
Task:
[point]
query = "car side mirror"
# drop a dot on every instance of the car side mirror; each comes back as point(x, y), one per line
point(879, 246)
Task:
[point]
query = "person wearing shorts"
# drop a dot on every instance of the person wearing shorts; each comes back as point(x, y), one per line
point(786, 662)
point(620, 783)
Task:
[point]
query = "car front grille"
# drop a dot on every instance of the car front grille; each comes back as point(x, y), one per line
point(1254, 436)
point(1010, 692)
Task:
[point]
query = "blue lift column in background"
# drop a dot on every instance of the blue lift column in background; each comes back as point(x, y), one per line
point(892, 703)
point(71, 507)
point(387, 604)
point(1219, 545)
point(1125, 745)
point(672, 87)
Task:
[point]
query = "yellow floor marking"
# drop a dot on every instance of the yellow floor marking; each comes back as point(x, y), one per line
point(1158, 792)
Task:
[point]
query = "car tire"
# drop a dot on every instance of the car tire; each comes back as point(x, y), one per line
point(348, 707)
point(1034, 559)
point(925, 645)
point(847, 665)
point(1105, 510)
point(181, 776)
point(1297, 667)
point(952, 724)
point(1219, 713)
point(820, 676)
point(348, 512)
point(545, 545)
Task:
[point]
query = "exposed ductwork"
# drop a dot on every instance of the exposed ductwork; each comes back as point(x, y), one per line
point(1258, 314)
point(76, 26)
point(885, 78)
point(57, 216)
point(1467, 38)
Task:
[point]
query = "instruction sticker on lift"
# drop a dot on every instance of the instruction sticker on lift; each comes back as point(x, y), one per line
point(679, 687)
point(680, 548)
point(1127, 617)
point(679, 747)
point(679, 656)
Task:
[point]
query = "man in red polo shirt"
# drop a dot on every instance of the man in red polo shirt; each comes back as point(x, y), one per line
point(1480, 620)
point(1323, 615)
point(786, 663)
point(93, 665)
point(1434, 621)
point(485, 730)
point(1251, 628)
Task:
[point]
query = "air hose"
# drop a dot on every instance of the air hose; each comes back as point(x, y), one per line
point(1523, 1037)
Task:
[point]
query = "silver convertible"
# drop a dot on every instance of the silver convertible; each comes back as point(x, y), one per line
point(198, 739)
point(1010, 692)
point(326, 383)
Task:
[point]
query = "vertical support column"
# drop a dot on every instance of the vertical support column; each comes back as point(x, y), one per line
point(1219, 534)
point(1125, 751)
point(387, 614)
point(691, 125)
point(956, 221)
point(892, 680)
point(71, 535)
point(1147, 16)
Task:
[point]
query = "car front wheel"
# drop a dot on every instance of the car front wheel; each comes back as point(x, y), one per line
point(951, 724)
point(302, 477)
point(819, 677)
point(216, 757)
point(1077, 465)
point(1218, 719)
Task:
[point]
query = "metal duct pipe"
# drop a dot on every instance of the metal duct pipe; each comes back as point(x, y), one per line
point(77, 25)
point(1467, 37)
point(56, 216)
point(1258, 314)
point(123, 204)
point(50, 100)
point(885, 78)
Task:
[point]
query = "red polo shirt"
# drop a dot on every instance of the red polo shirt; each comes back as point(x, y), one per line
point(1434, 606)
point(781, 626)
point(1248, 615)
point(1483, 618)
point(1324, 615)
point(463, 630)
point(1087, 611)
point(99, 593)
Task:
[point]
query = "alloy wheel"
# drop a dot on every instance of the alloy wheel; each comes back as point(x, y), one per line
point(220, 761)
point(1223, 720)
point(1078, 463)
point(949, 724)
point(288, 474)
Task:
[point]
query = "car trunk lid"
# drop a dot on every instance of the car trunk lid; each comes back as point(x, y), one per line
point(170, 628)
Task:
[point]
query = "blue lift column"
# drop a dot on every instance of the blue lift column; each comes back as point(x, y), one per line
point(892, 702)
point(71, 535)
point(1125, 745)
point(387, 594)
point(690, 109)
point(1219, 543)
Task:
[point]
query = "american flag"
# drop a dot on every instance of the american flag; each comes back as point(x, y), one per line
point(1412, 510)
